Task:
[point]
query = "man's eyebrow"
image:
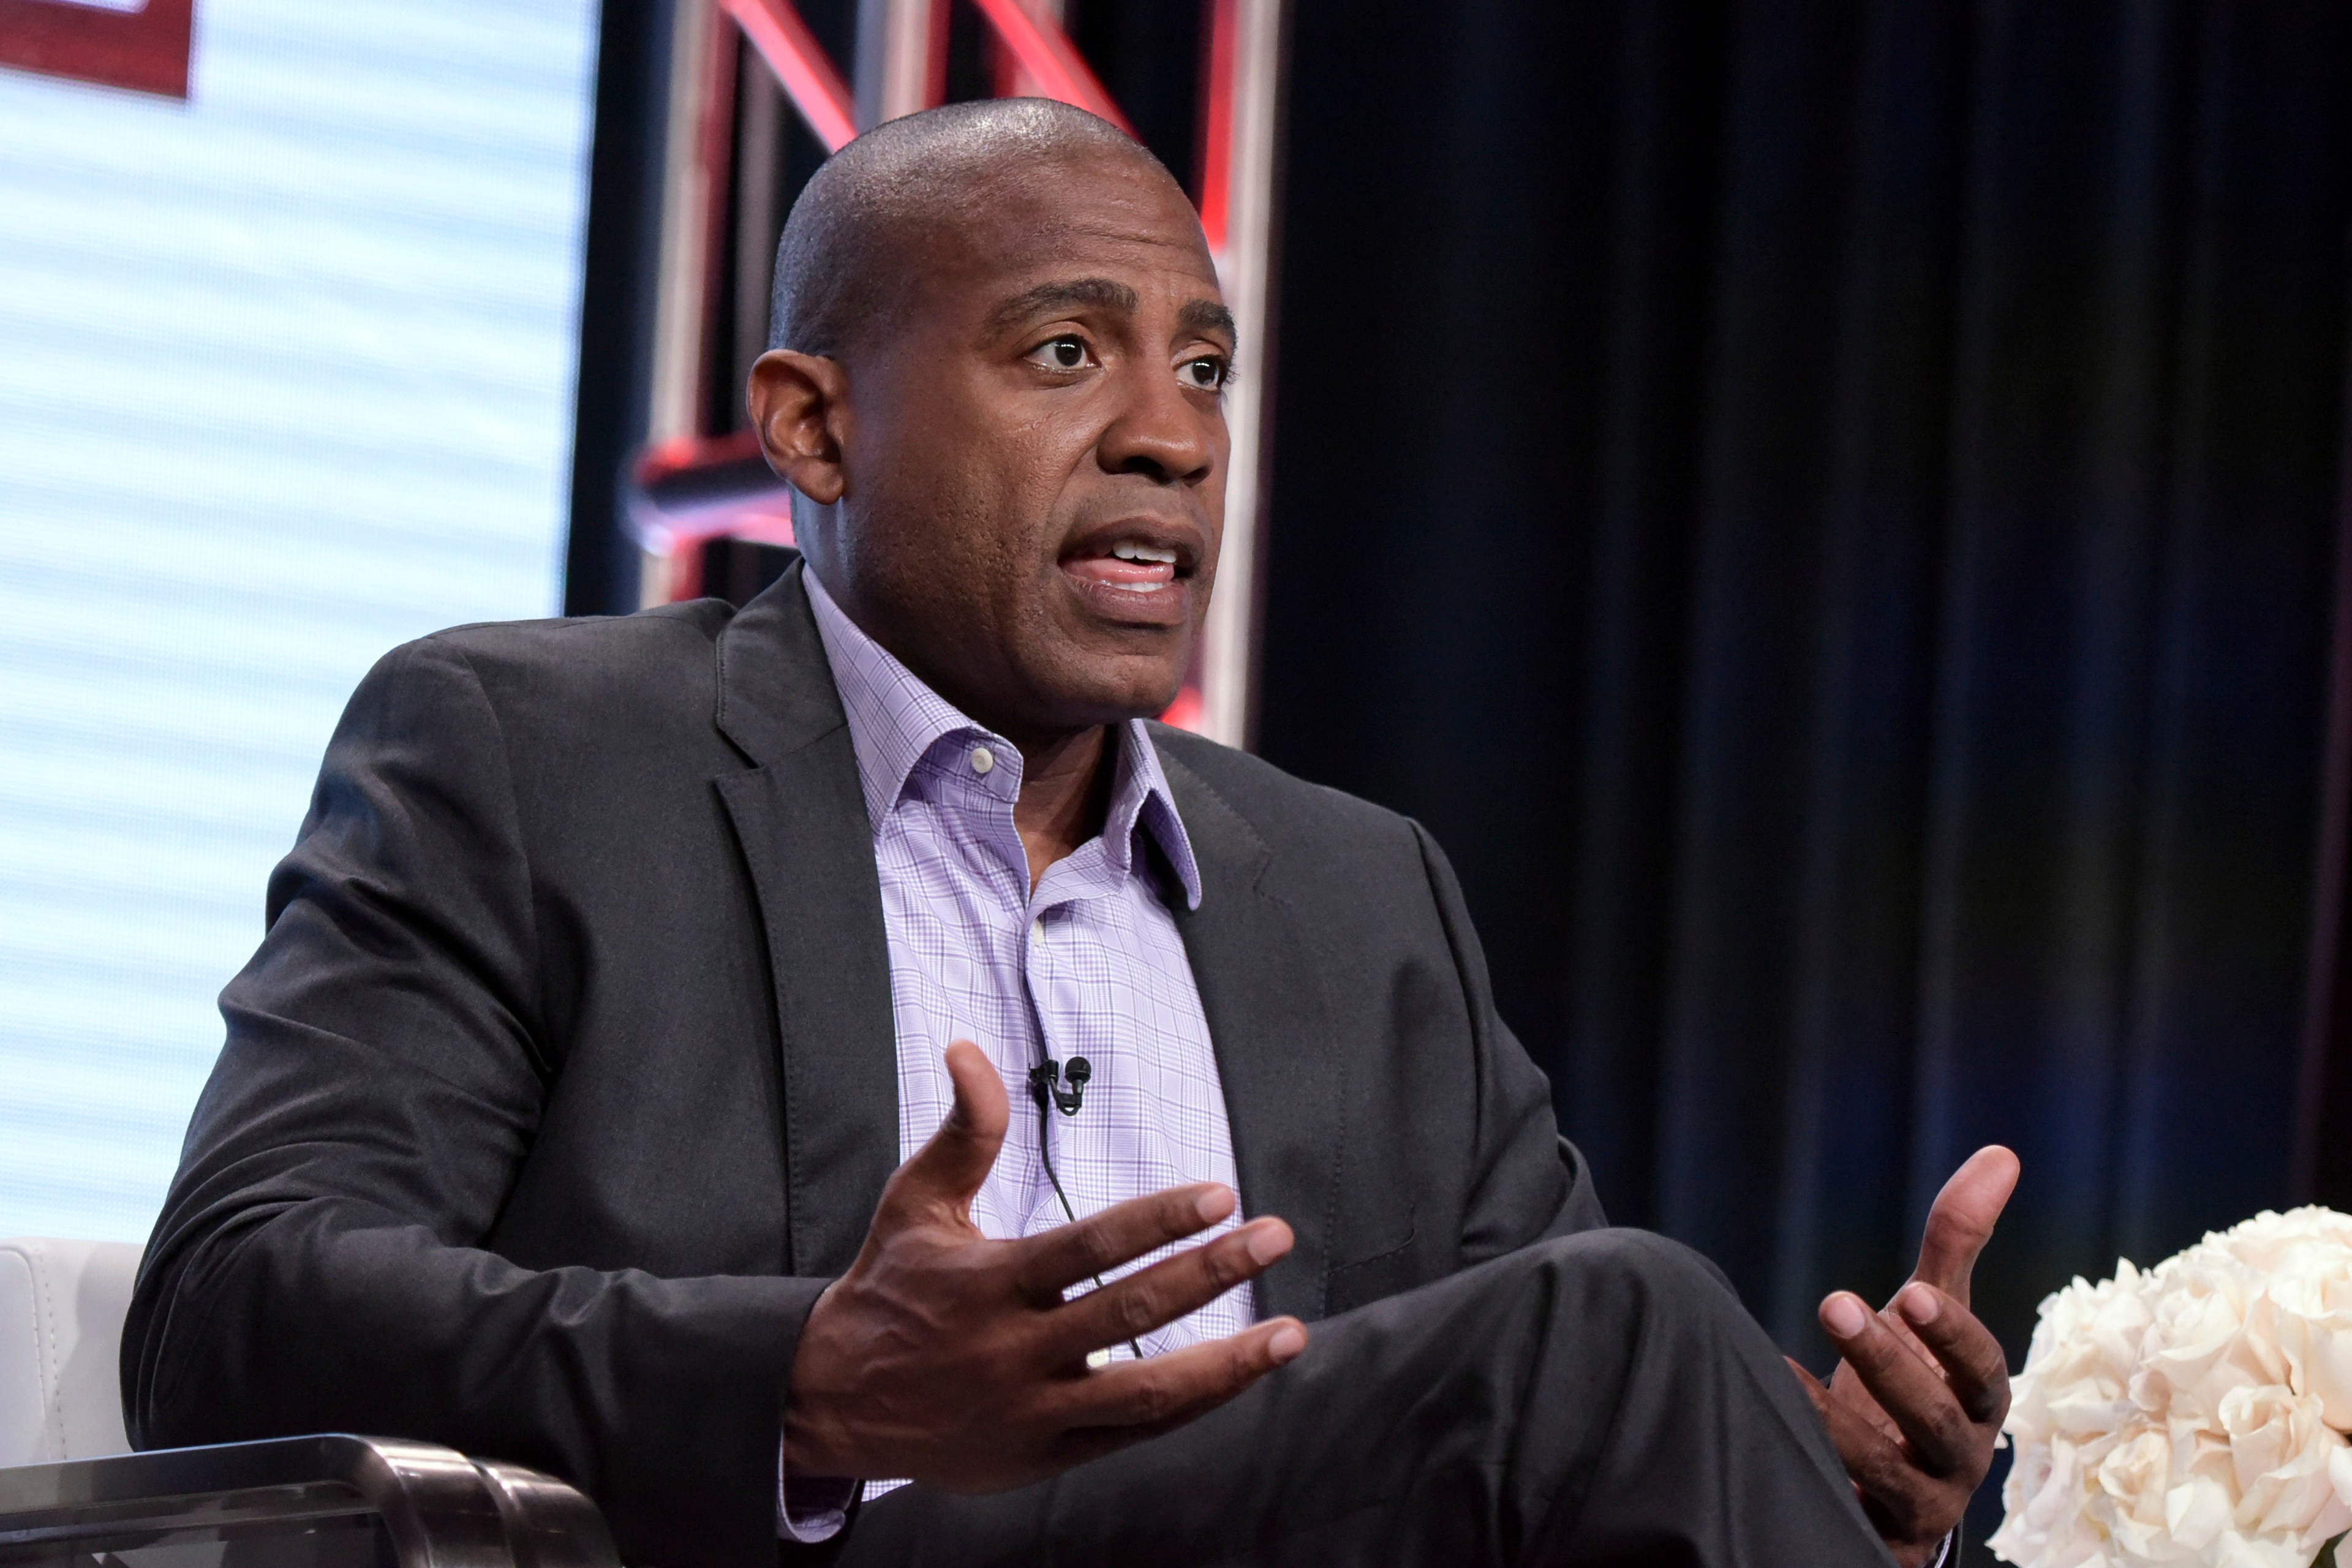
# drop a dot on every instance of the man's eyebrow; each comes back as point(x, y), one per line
point(1100, 293)
point(1208, 316)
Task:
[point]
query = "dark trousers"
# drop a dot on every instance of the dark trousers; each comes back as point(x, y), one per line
point(1598, 1399)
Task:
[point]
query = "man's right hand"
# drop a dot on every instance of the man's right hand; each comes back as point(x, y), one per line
point(953, 1360)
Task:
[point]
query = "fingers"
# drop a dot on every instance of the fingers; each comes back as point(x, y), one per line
point(949, 1169)
point(1915, 1434)
point(1131, 1308)
point(1961, 1219)
point(1128, 1401)
point(1897, 1497)
point(1974, 1368)
point(1909, 1508)
point(1918, 1401)
point(1101, 1242)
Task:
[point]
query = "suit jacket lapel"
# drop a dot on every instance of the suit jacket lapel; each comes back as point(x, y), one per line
point(801, 820)
point(1271, 1029)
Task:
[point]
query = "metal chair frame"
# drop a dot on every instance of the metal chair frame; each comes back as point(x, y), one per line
point(438, 1507)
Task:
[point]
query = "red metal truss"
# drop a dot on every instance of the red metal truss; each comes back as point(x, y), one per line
point(810, 79)
point(1046, 53)
point(822, 96)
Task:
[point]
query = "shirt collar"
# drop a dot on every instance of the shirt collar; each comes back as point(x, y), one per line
point(896, 721)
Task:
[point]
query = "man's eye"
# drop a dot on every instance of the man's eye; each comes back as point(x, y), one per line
point(1062, 353)
point(1207, 372)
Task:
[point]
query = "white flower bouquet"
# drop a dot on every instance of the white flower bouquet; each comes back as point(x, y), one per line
point(2193, 1414)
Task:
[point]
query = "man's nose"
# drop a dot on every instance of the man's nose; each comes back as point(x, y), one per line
point(1159, 432)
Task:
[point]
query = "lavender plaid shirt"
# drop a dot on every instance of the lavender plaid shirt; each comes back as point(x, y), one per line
point(1089, 965)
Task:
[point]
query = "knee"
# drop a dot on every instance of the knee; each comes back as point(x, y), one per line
point(1657, 1273)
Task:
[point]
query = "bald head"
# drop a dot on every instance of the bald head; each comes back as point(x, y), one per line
point(997, 391)
point(859, 237)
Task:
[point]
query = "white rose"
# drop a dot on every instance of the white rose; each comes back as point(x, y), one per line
point(2043, 1523)
point(2262, 1240)
point(2203, 1342)
point(2313, 1300)
point(2065, 1408)
point(2078, 1372)
point(2196, 1512)
point(2129, 1504)
point(2280, 1451)
point(2195, 1413)
point(2236, 1551)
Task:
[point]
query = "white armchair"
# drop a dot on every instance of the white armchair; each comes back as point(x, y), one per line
point(61, 1310)
point(70, 1489)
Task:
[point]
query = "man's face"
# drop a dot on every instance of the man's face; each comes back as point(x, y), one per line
point(1035, 456)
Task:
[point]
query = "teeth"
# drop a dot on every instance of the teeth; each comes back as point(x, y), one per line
point(1143, 552)
point(1138, 587)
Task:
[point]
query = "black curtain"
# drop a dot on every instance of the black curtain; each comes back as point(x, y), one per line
point(1829, 513)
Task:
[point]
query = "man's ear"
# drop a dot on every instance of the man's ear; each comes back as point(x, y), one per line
point(799, 407)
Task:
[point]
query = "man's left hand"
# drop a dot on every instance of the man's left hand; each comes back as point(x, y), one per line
point(1921, 1388)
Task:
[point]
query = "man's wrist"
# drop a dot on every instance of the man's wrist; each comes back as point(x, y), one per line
point(806, 1454)
point(812, 1503)
point(810, 1443)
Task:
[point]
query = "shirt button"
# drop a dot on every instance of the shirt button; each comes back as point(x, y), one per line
point(983, 759)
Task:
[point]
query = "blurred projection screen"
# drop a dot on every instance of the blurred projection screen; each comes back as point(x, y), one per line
point(287, 380)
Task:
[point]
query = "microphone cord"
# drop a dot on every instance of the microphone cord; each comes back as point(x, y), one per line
point(1041, 1091)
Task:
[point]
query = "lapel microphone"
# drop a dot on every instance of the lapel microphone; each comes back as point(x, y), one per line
point(1045, 1084)
point(1045, 1080)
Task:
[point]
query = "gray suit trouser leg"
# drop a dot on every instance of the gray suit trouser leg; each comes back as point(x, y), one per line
point(1599, 1399)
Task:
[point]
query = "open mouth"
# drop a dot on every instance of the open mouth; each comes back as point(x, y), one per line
point(1137, 572)
point(1128, 566)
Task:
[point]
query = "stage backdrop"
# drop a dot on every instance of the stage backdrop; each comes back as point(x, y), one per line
point(287, 380)
point(1828, 511)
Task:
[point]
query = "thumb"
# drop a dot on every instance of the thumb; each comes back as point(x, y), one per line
point(948, 1170)
point(1961, 1220)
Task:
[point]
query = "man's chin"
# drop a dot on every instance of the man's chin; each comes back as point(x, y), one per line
point(1094, 694)
point(1144, 706)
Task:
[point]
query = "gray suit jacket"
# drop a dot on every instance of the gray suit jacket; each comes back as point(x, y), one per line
point(564, 1077)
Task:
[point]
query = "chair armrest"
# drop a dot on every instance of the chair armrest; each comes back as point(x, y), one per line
point(436, 1508)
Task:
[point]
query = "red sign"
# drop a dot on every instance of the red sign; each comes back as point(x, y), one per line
point(145, 49)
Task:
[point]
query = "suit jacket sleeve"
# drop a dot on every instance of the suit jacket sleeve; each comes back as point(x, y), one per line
point(321, 1262)
point(1528, 1182)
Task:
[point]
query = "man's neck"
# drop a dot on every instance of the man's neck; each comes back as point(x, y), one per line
point(1064, 795)
point(1066, 779)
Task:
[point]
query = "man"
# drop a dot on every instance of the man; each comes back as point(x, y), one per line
point(619, 962)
